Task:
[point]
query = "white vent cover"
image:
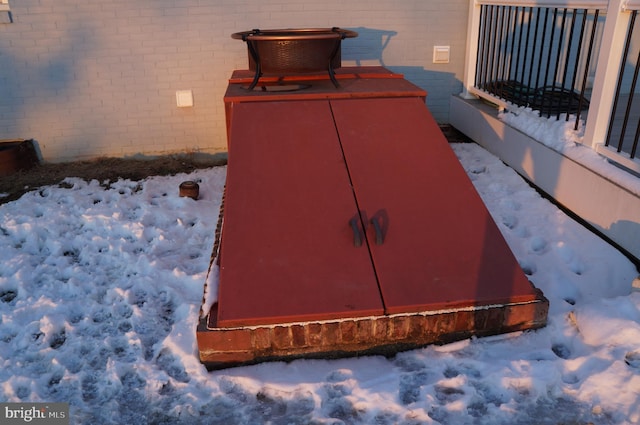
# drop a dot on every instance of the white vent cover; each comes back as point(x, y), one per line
point(441, 54)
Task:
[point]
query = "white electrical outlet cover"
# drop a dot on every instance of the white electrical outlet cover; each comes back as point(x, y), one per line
point(184, 98)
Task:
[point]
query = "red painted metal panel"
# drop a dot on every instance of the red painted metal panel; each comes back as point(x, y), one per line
point(287, 248)
point(349, 89)
point(441, 248)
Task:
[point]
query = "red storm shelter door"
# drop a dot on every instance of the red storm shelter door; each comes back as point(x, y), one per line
point(440, 247)
point(307, 178)
point(288, 252)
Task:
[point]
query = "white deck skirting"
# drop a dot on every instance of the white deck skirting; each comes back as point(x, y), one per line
point(607, 206)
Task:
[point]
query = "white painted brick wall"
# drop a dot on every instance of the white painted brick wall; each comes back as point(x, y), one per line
point(93, 78)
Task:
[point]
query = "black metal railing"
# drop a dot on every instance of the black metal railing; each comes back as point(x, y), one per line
point(539, 57)
point(626, 103)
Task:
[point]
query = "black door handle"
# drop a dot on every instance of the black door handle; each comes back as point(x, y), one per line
point(378, 230)
point(357, 237)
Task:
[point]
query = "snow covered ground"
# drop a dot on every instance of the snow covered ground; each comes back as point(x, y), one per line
point(100, 289)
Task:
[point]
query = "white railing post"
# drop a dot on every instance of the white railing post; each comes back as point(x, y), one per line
point(473, 28)
point(606, 76)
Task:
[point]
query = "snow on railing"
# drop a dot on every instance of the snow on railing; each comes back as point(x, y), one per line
point(569, 59)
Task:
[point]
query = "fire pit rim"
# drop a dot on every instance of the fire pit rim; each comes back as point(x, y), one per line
point(296, 33)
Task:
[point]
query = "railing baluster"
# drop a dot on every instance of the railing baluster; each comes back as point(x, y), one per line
point(632, 154)
point(535, 40)
point(619, 87)
point(509, 63)
point(478, 82)
point(498, 74)
point(542, 42)
point(519, 69)
point(549, 55)
point(596, 15)
point(504, 47)
point(632, 91)
point(487, 64)
point(557, 64)
point(491, 49)
point(578, 55)
point(566, 62)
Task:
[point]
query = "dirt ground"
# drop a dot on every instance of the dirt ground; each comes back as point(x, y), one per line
point(104, 170)
point(107, 170)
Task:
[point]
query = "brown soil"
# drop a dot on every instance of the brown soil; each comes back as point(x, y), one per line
point(104, 170)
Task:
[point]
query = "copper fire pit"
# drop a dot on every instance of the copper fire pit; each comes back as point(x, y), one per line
point(294, 51)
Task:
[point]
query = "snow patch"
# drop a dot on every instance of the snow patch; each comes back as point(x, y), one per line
point(101, 287)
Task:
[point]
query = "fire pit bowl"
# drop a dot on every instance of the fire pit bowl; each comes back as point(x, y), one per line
point(294, 51)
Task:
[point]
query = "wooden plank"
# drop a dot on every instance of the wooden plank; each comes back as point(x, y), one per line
point(324, 89)
point(287, 247)
point(441, 247)
point(245, 76)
